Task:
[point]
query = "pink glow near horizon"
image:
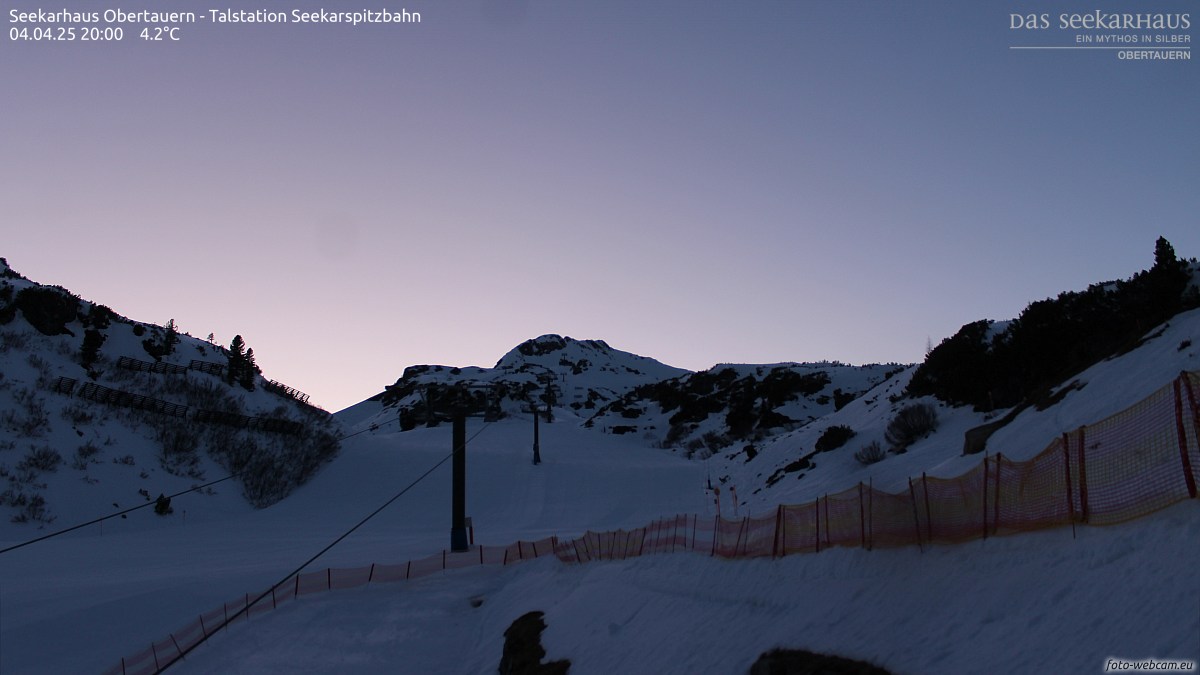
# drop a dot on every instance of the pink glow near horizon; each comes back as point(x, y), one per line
point(783, 182)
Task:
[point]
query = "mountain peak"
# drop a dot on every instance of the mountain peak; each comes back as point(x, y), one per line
point(549, 344)
point(578, 375)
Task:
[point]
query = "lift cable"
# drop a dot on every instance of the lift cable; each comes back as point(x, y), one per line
point(373, 427)
point(308, 562)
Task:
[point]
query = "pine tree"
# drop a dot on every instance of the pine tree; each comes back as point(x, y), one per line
point(249, 370)
point(1161, 289)
point(237, 360)
point(172, 337)
point(1164, 254)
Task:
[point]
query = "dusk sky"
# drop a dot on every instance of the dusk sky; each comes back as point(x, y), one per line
point(695, 181)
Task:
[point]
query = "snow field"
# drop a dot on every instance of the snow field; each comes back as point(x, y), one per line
point(1041, 602)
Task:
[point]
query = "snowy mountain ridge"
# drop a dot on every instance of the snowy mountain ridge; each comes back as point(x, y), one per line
point(736, 404)
point(568, 375)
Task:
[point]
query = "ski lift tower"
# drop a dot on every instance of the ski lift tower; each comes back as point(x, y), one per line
point(458, 400)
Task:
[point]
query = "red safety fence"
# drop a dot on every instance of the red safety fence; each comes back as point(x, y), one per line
point(1136, 462)
point(164, 652)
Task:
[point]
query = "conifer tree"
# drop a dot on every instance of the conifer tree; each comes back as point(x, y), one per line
point(172, 337)
point(237, 360)
point(249, 369)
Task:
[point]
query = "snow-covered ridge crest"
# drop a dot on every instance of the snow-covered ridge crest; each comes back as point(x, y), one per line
point(737, 404)
point(573, 377)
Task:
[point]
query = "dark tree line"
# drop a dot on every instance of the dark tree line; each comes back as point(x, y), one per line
point(1055, 338)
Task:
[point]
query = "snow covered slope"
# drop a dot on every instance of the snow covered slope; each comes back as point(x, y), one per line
point(172, 421)
point(1040, 603)
point(1106, 388)
point(87, 598)
point(1044, 602)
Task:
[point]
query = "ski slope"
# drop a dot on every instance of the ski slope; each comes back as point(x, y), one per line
point(77, 603)
point(1045, 602)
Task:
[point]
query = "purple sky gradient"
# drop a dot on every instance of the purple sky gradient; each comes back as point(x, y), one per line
point(695, 181)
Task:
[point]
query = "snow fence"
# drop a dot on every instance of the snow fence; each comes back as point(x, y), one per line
point(1129, 465)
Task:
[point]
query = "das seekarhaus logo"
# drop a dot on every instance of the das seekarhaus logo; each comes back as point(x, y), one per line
point(1146, 36)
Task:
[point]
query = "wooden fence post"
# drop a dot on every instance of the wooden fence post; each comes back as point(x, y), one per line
point(1066, 441)
point(817, 518)
point(744, 527)
point(1083, 496)
point(716, 533)
point(777, 545)
point(985, 483)
point(871, 514)
point(912, 493)
point(996, 499)
point(862, 519)
point(928, 514)
point(827, 539)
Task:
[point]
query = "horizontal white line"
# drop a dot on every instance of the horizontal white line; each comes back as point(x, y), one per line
point(1128, 46)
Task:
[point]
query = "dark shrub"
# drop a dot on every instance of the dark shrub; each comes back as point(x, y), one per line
point(41, 459)
point(84, 455)
point(675, 434)
point(913, 422)
point(34, 510)
point(47, 309)
point(92, 340)
point(870, 453)
point(841, 398)
point(834, 437)
point(99, 317)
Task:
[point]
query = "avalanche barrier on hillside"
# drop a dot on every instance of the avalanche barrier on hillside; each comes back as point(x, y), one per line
point(1129, 465)
point(127, 399)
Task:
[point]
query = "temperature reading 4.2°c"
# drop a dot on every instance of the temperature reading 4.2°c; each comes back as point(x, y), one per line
point(159, 33)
